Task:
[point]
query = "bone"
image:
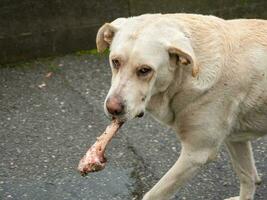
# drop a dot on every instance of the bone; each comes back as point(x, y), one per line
point(94, 160)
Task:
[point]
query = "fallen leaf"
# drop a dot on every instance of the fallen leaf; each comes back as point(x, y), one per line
point(48, 75)
point(42, 85)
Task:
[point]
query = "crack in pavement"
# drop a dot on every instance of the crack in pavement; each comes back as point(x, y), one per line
point(142, 174)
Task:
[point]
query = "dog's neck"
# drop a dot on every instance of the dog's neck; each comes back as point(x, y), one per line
point(165, 105)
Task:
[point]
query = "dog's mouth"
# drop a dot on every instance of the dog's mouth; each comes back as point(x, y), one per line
point(121, 120)
point(124, 118)
point(141, 114)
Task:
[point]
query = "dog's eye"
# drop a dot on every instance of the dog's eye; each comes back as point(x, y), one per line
point(116, 63)
point(144, 71)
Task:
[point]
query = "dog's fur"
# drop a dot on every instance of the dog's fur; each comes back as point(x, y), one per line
point(208, 82)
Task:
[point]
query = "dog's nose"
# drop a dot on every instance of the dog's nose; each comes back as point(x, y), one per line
point(115, 105)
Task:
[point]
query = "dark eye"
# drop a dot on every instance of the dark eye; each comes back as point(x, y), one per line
point(144, 71)
point(116, 63)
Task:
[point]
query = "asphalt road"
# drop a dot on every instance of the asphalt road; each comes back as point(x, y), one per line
point(47, 124)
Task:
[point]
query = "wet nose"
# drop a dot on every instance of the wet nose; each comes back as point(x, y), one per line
point(115, 105)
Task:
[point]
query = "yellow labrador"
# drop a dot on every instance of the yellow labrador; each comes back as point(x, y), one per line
point(201, 75)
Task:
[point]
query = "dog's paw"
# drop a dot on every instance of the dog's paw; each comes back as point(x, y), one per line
point(233, 198)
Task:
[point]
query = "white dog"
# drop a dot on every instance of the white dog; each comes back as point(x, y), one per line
point(201, 75)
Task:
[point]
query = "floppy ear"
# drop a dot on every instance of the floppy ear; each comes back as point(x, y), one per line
point(106, 33)
point(185, 54)
point(104, 37)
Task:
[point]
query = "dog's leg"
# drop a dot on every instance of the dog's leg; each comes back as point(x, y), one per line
point(188, 164)
point(243, 163)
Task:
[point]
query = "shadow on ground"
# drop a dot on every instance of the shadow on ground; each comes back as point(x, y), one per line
point(48, 120)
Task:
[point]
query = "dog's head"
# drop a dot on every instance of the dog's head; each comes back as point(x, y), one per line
point(144, 53)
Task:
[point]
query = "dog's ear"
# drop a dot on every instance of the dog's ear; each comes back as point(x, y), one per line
point(106, 33)
point(104, 37)
point(185, 54)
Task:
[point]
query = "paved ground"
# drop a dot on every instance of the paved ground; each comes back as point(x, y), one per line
point(45, 131)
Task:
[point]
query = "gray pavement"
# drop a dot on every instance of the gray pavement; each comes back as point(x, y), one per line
point(47, 124)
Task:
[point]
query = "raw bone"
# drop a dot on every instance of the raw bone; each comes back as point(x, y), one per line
point(94, 159)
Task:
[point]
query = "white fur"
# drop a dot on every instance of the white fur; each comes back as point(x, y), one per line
point(215, 93)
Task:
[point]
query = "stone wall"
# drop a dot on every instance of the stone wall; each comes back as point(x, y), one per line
point(39, 28)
